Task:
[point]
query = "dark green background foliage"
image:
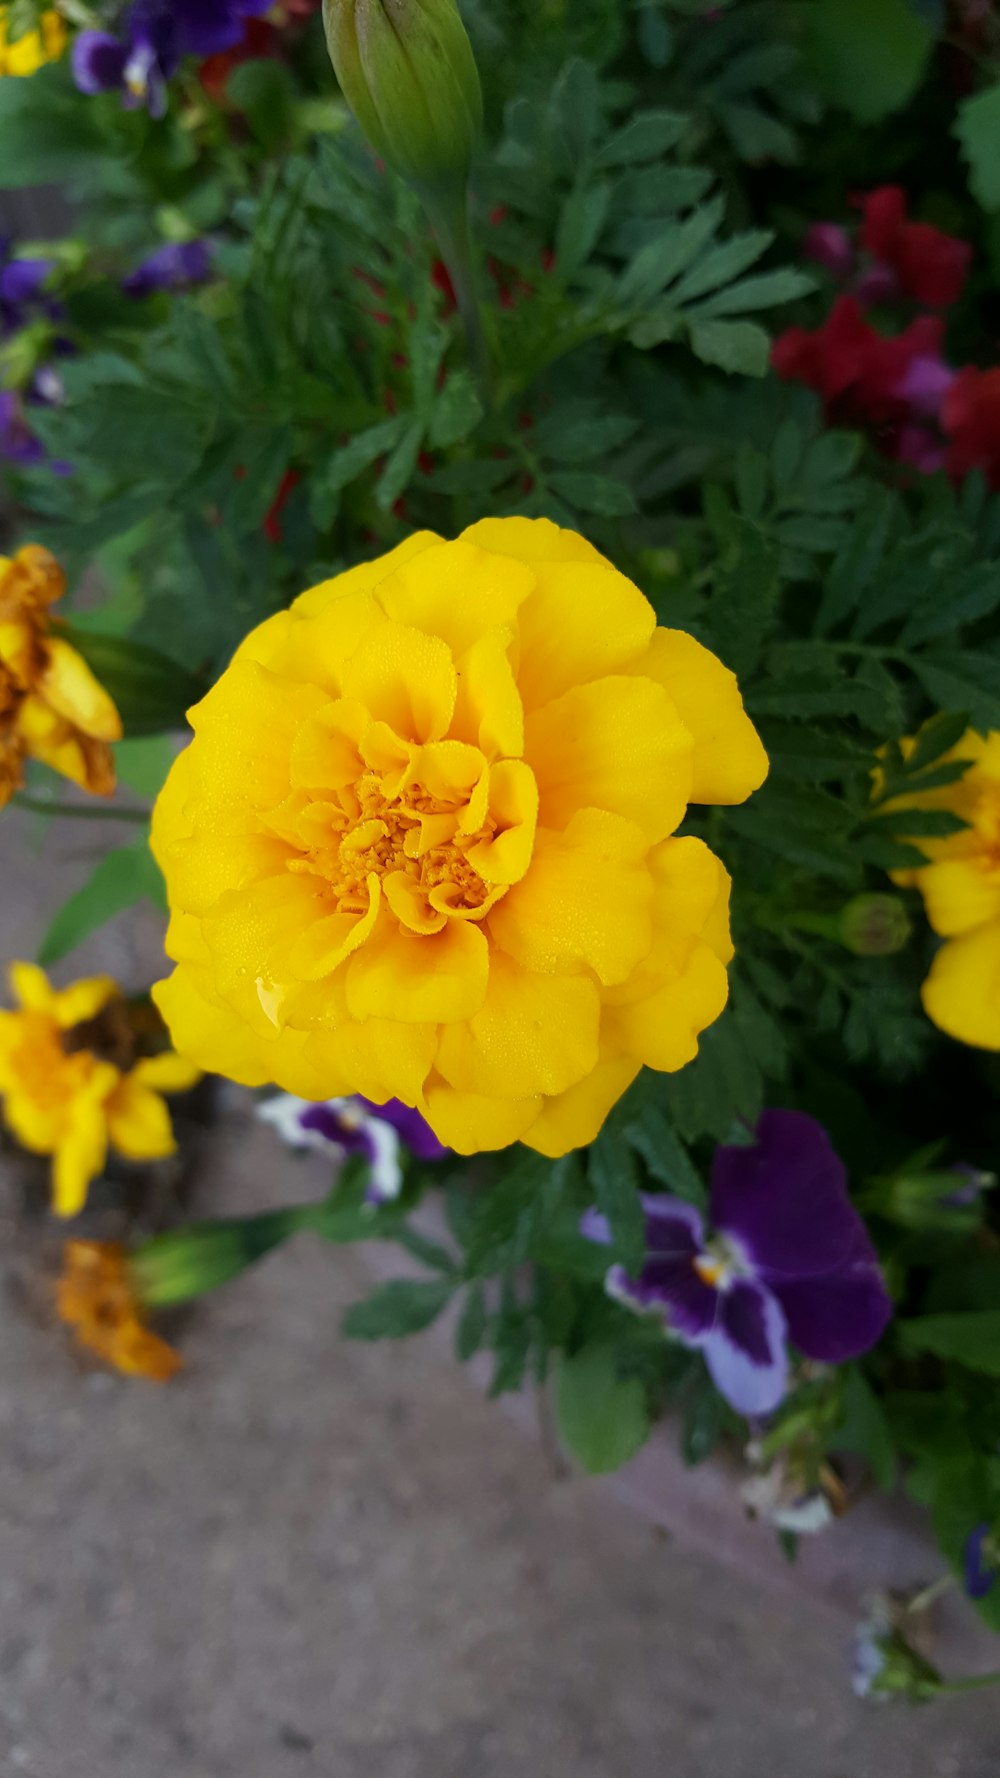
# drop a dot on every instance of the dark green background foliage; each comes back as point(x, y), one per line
point(638, 208)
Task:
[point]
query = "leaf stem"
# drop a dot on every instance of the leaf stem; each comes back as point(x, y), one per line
point(41, 805)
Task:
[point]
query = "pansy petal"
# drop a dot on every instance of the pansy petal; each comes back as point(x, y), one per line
point(167, 1072)
point(617, 744)
point(962, 993)
point(585, 900)
point(745, 1353)
point(533, 1034)
point(729, 759)
point(81, 1154)
point(783, 1198)
point(838, 1316)
point(672, 1289)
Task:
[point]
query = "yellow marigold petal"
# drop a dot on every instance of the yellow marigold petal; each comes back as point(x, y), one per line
point(326, 942)
point(617, 744)
point(959, 894)
point(325, 752)
point(585, 900)
point(366, 576)
point(729, 758)
point(251, 933)
point(662, 1028)
point(488, 709)
point(166, 1073)
point(471, 1123)
point(83, 1000)
point(68, 684)
point(214, 1036)
point(20, 650)
point(513, 805)
point(456, 591)
point(379, 1058)
point(690, 904)
point(51, 739)
point(405, 679)
point(962, 993)
point(139, 1123)
point(574, 1118)
point(202, 869)
point(533, 1034)
point(530, 540)
point(171, 821)
point(584, 621)
point(80, 1156)
point(419, 980)
point(31, 987)
point(244, 732)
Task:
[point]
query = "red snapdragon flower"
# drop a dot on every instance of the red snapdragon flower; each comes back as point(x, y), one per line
point(970, 417)
point(928, 265)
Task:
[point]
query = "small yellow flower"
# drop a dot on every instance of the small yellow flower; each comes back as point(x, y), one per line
point(421, 845)
point(960, 885)
point(51, 707)
point(95, 1297)
point(71, 1084)
point(25, 55)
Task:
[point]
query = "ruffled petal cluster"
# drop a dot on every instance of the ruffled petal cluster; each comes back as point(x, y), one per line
point(422, 844)
point(51, 707)
point(960, 885)
point(70, 1086)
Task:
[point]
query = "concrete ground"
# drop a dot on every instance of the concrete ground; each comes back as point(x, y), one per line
point(313, 1559)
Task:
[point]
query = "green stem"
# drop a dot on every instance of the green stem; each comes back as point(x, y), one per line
point(924, 1600)
point(974, 1683)
point(41, 805)
point(449, 217)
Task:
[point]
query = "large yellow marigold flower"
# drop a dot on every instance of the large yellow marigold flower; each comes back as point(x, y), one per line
point(420, 845)
point(960, 885)
point(26, 54)
point(51, 707)
point(70, 1086)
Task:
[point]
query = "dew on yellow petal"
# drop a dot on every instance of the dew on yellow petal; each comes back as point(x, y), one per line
point(617, 744)
point(729, 760)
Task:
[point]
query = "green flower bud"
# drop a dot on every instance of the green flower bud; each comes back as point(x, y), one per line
point(874, 925)
point(174, 1268)
point(407, 70)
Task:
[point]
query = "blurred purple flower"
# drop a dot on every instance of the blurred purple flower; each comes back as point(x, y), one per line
point(341, 1127)
point(139, 64)
point(980, 1560)
point(829, 245)
point(789, 1261)
point(18, 443)
point(974, 1182)
point(207, 26)
point(22, 288)
point(172, 267)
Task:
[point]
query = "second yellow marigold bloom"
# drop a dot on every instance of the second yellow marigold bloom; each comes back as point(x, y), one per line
point(25, 55)
point(420, 846)
point(960, 885)
point(68, 1090)
point(51, 707)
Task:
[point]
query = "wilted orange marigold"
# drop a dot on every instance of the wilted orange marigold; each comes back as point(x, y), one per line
point(51, 706)
point(420, 846)
point(95, 1297)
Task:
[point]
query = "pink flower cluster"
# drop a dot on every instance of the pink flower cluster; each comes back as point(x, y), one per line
point(899, 388)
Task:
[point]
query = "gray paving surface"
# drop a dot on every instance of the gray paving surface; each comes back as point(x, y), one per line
point(308, 1559)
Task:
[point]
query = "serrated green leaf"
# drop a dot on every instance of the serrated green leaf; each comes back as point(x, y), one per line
point(972, 1339)
point(644, 138)
point(121, 878)
point(470, 1332)
point(739, 347)
point(977, 127)
point(863, 1427)
point(592, 493)
point(603, 1417)
point(457, 411)
point(399, 470)
point(403, 1306)
point(614, 1176)
point(764, 291)
point(581, 222)
point(867, 55)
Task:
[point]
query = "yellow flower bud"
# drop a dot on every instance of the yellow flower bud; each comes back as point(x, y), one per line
point(407, 70)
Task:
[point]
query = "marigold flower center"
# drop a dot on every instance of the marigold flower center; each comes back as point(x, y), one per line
point(414, 834)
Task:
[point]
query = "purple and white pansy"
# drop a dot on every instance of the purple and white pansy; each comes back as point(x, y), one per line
point(788, 1262)
point(155, 34)
point(342, 1127)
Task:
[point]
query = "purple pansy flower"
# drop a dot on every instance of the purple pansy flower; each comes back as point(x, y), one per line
point(829, 245)
point(207, 26)
point(138, 64)
point(980, 1560)
point(340, 1127)
point(789, 1262)
point(172, 267)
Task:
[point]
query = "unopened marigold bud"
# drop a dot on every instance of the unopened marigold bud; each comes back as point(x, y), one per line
point(407, 70)
point(874, 925)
